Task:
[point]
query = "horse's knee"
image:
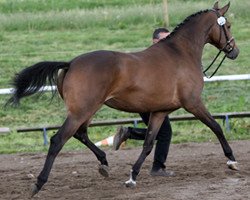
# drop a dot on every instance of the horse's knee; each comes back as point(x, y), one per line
point(216, 127)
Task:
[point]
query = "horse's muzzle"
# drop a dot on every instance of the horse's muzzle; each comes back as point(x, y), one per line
point(233, 54)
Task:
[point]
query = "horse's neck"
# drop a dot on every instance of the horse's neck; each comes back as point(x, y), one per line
point(191, 38)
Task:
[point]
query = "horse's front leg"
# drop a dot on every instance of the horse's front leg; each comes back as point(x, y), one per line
point(155, 122)
point(201, 113)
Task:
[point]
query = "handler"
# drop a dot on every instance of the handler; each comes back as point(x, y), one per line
point(164, 135)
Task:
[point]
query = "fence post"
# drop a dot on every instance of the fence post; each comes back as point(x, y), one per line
point(165, 13)
point(45, 137)
point(135, 123)
point(227, 123)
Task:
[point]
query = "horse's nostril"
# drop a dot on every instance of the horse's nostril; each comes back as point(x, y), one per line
point(233, 54)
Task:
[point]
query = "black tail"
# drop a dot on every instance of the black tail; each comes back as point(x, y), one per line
point(31, 79)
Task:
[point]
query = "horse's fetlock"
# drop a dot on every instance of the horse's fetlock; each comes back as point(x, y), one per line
point(134, 174)
point(230, 156)
point(40, 182)
point(103, 161)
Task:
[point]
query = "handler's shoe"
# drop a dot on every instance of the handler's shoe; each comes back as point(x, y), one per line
point(162, 172)
point(122, 134)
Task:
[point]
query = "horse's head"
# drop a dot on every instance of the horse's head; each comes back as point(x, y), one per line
point(220, 35)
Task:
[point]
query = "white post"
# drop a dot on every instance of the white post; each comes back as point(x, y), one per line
point(165, 13)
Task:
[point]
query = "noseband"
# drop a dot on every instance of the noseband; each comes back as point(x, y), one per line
point(221, 22)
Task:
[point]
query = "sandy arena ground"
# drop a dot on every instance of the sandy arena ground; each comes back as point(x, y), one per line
point(201, 173)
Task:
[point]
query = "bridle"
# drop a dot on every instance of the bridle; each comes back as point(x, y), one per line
point(221, 20)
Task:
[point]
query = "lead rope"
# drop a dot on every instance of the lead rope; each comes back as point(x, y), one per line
point(231, 48)
point(204, 72)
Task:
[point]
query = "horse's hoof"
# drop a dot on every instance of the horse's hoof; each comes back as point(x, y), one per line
point(34, 190)
point(232, 165)
point(104, 170)
point(130, 183)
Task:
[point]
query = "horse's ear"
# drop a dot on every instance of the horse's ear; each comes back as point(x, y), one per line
point(224, 9)
point(216, 5)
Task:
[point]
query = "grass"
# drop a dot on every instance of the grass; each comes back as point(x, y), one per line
point(117, 18)
point(61, 30)
point(15, 6)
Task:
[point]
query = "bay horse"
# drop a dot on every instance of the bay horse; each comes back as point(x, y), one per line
point(160, 79)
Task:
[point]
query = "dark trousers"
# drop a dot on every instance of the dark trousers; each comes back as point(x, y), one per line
point(163, 140)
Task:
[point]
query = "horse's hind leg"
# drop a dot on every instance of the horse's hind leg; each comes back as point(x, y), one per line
point(204, 116)
point(67, 130)
point(82, 136)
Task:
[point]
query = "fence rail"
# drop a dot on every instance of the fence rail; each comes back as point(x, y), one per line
point(213, 79)
point(134, 121)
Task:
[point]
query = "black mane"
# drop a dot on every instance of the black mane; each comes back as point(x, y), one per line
point(187, 20)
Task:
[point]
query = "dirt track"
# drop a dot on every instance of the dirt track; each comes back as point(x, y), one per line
point(201, 173)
